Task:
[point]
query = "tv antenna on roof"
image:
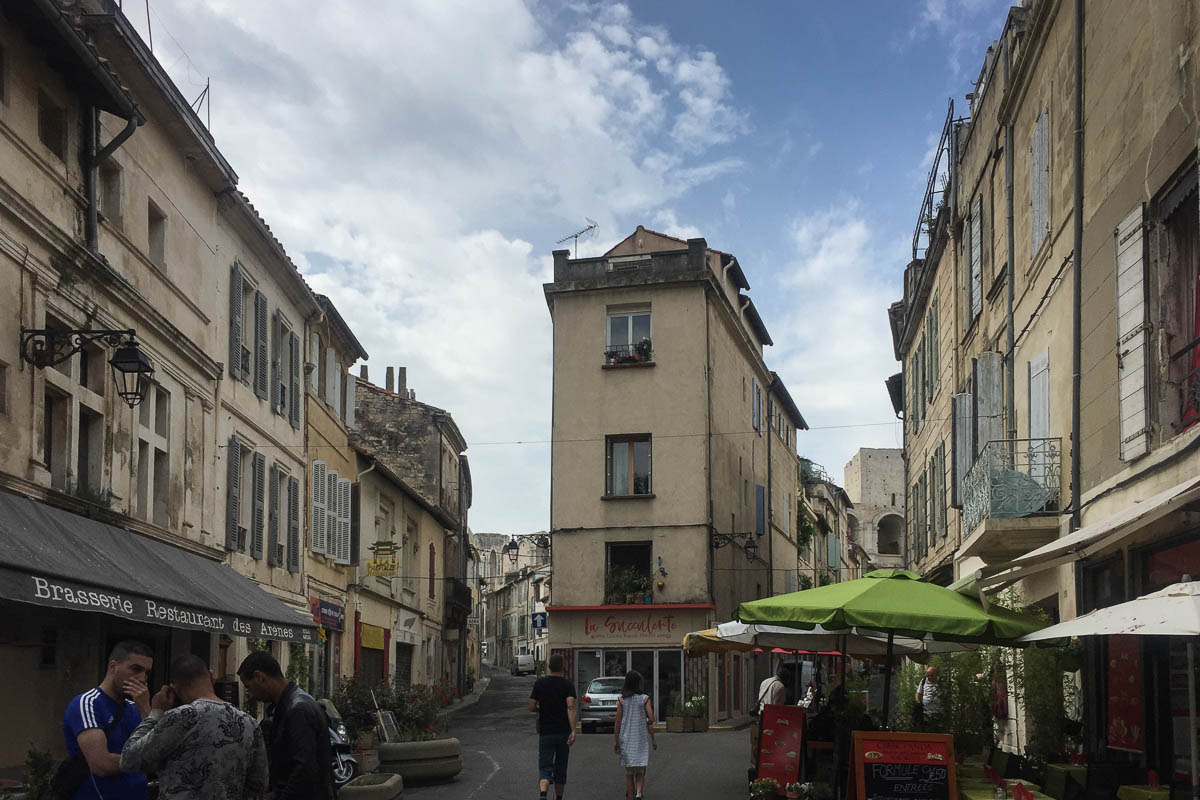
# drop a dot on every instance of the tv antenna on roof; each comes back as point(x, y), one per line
point(590, 230)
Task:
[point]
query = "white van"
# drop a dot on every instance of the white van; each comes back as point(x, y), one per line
point(524, 665)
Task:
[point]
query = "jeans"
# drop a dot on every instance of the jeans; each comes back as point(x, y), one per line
point(553, 753)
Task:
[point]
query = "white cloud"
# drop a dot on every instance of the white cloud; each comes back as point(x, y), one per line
point(965, 28)
point(666, 222)
point(815, 148)
point(429, 159)
point(838, 351)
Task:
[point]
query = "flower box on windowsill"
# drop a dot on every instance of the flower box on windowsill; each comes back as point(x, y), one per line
point(627, 496)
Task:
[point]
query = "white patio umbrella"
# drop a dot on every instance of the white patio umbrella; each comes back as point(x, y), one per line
point(852, 641)
point(1173, 611)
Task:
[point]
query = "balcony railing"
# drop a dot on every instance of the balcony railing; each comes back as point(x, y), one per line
point(621, 354)
point(1013, 478)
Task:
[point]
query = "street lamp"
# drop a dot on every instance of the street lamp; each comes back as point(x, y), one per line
point(750, 546)
point(132, 370)
point(512, 549)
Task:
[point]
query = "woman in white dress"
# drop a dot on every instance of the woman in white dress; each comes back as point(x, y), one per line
point(633, 733)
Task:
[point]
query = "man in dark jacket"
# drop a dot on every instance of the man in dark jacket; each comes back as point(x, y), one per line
point(298, 740)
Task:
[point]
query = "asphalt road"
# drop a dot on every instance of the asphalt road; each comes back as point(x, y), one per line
point(499, 744)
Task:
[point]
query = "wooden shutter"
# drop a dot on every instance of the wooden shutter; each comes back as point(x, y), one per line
point(962, 448)
point(236, 290)
point(942, 499)
point(989, 399)
point(277, 385)
point(356, 523)
point(273, 517)
point(259, 477)
point(293, 542)
point(294, 368)
point(343, 544)
point(317, 527)
point(1039, 177)
point(260, 345)
point(233, 492)
point(331, 514)
point(976, 285)
point(314, 344)
point(348, 401)
point(1132, 334)
point(331, 378)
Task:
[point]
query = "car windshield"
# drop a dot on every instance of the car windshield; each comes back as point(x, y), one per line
point(606, 686)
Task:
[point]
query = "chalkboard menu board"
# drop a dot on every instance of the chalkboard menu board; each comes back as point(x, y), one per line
point(781, 744)
point(902, 766)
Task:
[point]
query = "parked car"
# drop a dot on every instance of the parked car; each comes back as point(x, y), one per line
point(524, 665)
point(598, 706)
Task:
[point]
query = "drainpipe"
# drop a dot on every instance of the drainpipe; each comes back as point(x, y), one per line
point(769, 533)
point(708, 465)
point(1077, 268)
point(91, 166)
point(1010, 344)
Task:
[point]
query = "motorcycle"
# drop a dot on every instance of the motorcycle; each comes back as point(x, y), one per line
point(345, 766)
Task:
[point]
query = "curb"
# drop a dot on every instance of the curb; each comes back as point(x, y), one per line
point(471, 699)
point(738, 724)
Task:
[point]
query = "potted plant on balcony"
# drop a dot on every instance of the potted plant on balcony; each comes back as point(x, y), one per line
point(642, 350)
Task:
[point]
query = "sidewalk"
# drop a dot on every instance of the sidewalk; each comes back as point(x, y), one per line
point(732, 724)
point(471, 699)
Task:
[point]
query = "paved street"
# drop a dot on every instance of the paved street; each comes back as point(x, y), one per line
point(500, 757)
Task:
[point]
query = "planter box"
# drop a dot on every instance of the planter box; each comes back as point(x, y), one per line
point(435, 760)
point(373, 787)
point(675, 724)
point(368, 760)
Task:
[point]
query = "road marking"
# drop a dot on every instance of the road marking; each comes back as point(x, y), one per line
point(488, 779)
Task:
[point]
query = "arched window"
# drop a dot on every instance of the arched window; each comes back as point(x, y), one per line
point(432, 571)
point(891, 529)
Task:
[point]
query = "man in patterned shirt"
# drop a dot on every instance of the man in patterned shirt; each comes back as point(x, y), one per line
point(199, 746)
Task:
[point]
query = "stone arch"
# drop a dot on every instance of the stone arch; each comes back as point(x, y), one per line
point(890, 535)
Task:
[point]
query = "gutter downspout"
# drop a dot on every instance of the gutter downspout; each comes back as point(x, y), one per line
point(1077, 288)
point(1009, 338)
point(770, 534)
point(708, 437)
point(91, 166)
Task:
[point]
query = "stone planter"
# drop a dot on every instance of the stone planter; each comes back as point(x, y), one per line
point(368, 760)
point(434, 760)
point(373, 787)
point(675, 724)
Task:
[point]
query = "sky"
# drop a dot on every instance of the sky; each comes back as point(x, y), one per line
point(420, 159)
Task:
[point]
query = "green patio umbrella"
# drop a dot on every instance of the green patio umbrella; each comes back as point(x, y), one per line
point(896, 602)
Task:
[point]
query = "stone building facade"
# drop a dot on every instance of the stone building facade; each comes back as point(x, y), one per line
point(874, 482)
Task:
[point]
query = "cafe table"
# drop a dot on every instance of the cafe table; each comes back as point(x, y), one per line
point(988, 792)
point(1129, 792)
point(1076, 772)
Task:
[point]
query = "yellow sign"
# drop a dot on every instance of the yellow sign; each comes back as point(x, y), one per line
point(383, 567)
point(371, 636)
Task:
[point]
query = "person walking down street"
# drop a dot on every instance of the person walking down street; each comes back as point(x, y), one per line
point(772, 691)
point(633, 733)
point(929, 699)
point(199, 746)
point(298, 739)
point(553, 700)
point(98, 722)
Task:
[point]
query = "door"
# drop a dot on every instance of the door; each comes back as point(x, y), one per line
point(1039, 420)
point(670, 682)
point(643, 662)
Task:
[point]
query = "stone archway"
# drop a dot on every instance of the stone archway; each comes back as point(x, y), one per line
point(890, 535)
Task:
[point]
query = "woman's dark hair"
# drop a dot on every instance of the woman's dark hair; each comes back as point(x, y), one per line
point(633, 683)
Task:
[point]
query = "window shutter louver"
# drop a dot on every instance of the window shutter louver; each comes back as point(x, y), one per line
point(260, 345)
point(233, 492)
point(294, 371)
point(962, 444)
point(331, 514)
point(348, 402)
point(976, 293)
point(343, 551)
point(989, 399)
point(1132, 335)
point(273, 517)
point(293, 542)
point(317, 526)
point(314, 343)
point(1039, 190)
point(236, 290)
point(277, 385)
point(259, 477)
point(332, 387)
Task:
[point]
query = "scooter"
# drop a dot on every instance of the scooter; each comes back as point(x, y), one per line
point(345, 766)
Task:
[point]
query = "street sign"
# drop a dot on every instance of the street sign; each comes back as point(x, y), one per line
point(538, 620)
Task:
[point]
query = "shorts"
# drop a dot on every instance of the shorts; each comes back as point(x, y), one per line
point(635, 770)
point(553, 753)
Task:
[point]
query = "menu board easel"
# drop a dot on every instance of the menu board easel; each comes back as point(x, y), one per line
point(899, 765)
point(781, 744)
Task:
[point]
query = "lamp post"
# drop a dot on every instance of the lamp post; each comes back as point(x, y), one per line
point(748, 544)
point(132, 370)
point(539, 540)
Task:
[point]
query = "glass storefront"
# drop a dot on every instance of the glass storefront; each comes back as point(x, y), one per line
point(662, 671)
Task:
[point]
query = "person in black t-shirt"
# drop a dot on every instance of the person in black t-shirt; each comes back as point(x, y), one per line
point(553, 699)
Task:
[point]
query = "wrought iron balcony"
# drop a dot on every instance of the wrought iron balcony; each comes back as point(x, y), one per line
point(623, 354)
point(1013, 478)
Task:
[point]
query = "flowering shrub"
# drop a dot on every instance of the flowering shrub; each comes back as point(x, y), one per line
point(416, 706)
point(696, 707)
point(764, 787)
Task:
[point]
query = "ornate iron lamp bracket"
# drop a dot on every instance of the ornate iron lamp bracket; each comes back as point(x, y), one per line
point(44, 347)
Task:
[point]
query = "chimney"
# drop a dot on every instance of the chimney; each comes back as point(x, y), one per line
point(362, 372)
point(401, 380)
point(389, 382)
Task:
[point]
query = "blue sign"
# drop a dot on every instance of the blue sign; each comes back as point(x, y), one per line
point(538, 620)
